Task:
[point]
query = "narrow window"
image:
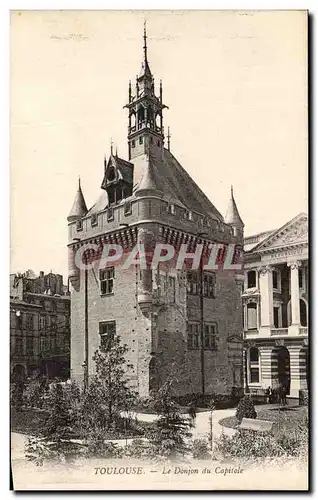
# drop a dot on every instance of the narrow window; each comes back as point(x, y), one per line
point(42, 344)
point(276, 317)
point(171, 209)
point(29, 345)
point(252, 316)
point(193, 336)
point(275, 280)
point(133, 143)
point(210, 336)
point(107, 332)
point(300, 278)
point(127, 208)
point(106, 277)
point(192, 283)
point(251, 279)
point(209, 281)
point(254, 365)
point(94, 220)
point(19, 345)
point(79, 225)
point(110, 214)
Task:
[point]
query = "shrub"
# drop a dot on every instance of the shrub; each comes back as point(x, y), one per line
point(140, 449)
point(245, 409)
point(200, 449)
point(171, 430)
point(248, 444)
point(303, 397)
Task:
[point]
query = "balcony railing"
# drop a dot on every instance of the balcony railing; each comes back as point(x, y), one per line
point(279, 331)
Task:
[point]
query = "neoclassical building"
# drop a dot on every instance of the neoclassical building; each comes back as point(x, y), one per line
point(185, 323)
point(275, 304)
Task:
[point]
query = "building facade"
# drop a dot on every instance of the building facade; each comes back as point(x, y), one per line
point(39, 325)
point(275, 303)
point(182, 322)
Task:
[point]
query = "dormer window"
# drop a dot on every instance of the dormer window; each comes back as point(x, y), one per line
point(111, 174)
point(79, 225)
point(171, 209)
point(94, 220)
point(127, 208)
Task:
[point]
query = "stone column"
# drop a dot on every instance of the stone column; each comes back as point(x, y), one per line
point(268, 373)
point(294, 292)
point(297, 380)
point(266, 292)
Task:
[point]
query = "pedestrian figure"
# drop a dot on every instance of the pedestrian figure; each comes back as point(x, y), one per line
point(192, 411)
point(268, 394)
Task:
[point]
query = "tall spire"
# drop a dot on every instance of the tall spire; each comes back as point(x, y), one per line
point(145, 70)
point(232, 215)
point(145, 41)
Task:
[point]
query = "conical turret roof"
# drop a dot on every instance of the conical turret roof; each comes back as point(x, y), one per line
point(79, 208)
point(232, 215)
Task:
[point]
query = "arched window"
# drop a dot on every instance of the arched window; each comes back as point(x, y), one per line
point(252, 316)
point(111, 174)
point(251, 279)
point(254, 365)
point(141, 115)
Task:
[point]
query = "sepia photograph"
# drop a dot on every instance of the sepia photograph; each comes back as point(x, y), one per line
point(159, 273)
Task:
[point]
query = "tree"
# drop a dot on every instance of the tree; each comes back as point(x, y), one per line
point(57, 433)
point(16, 394)
point(108, 392)
point(171, 429)
point(35, 390)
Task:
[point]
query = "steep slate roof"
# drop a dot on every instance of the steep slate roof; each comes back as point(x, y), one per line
point(232, 215)
point(163, 176)
point(166, 174)
point(79, 208)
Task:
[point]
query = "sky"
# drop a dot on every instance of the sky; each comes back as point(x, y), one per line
point(236, 86)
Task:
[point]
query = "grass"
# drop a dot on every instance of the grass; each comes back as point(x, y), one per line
point(28, 421)
point(31, 421)
point(285, 418)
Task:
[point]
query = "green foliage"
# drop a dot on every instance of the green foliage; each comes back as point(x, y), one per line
point(171, 430)
point(303, 397)
point(16, 395)
point(140, 449)
point(57, 441)
point(108, 393)
point(245, 409)
point(35, 391)
point(247, 444)
point(200, 449)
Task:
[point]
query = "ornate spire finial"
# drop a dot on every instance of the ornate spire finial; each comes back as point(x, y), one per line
point(232, 190)
point(105, 162)
point(79, 182)
point(111, 146)
point(145, 40)
point(116, 151)
point(168, 137)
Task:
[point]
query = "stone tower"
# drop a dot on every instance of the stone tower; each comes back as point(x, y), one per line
point(180, 322)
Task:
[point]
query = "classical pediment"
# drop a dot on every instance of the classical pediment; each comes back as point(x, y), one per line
point(293, 233)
